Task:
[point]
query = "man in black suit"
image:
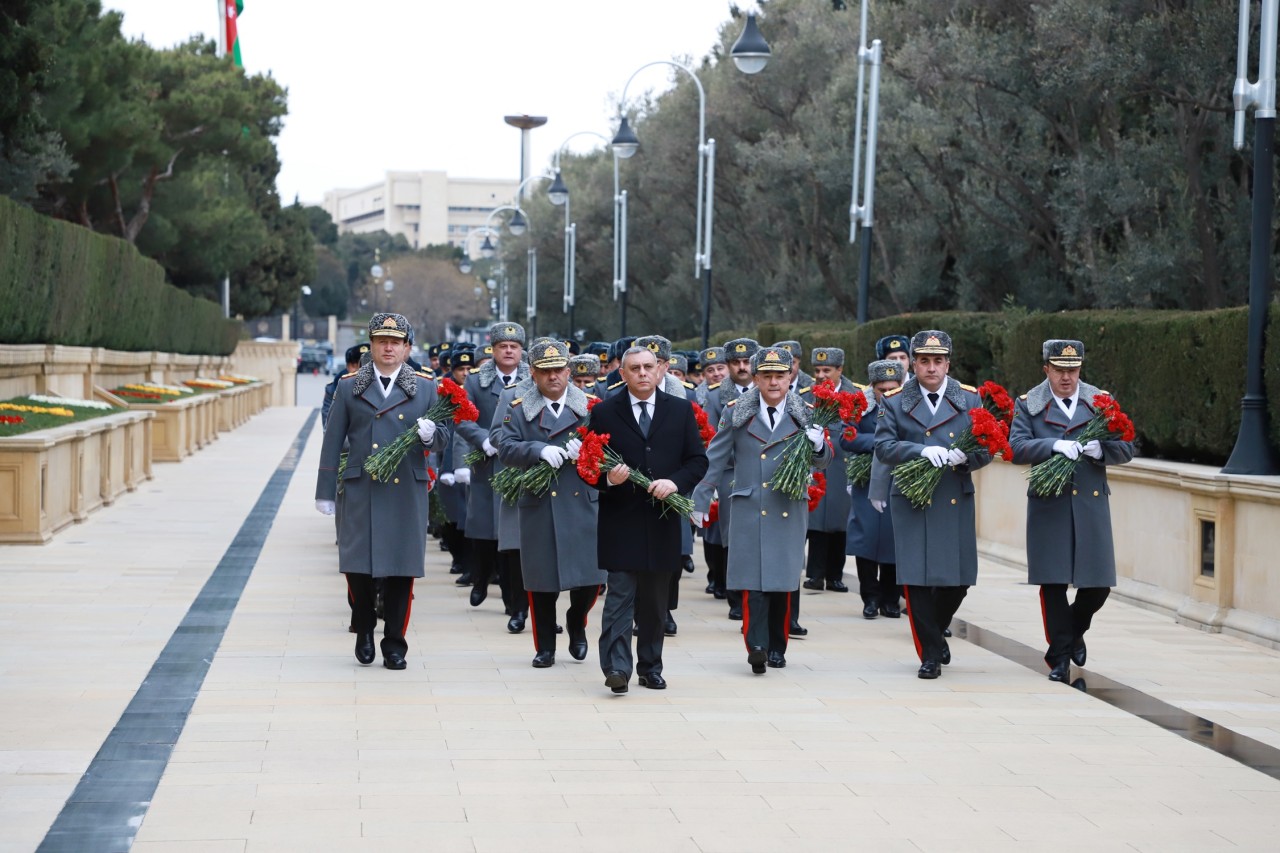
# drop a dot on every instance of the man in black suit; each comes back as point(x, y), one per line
point(654, 433)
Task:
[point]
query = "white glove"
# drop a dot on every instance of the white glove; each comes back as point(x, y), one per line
point(426, 429)
point(816, 435)
point(462, 476)
point(325, 507)
point(699, 519)
point(848, 489)
point(488, 448)
point(1092, 449)
point(573, 448)
point(937, 456)
point(446, 479)
point(1069, 449)
point(553, 456)
point(956, 456)
point(878, 506)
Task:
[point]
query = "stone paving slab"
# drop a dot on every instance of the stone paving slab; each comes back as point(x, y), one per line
point(293, 746)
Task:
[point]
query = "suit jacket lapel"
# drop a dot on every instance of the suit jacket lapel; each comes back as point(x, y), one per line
point(659, 413)
point(626, 415)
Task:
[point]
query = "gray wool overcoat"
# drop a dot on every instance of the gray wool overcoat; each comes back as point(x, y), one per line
point(766, 540)
point(937, 545)
point(484, 388)
point(383, 528)
point(1068, 537)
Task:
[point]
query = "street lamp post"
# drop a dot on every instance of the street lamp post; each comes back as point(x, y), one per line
point(518, 224)
point(864, 213)
point(1253, 453)
point(559, 195)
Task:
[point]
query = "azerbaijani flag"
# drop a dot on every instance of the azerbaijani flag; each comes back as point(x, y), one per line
point(231, 11)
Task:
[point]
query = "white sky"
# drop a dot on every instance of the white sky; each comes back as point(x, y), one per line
point(424, 84)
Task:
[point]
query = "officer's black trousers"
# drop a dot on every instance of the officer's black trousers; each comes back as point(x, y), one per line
point(483, 554)
point(930, 609)
point(765, 618)
point(397, 601)
point(512, 579)
point(1065, 624)
point(877, 582)
point(826, 556)
point(542, 613)
point(717, 558)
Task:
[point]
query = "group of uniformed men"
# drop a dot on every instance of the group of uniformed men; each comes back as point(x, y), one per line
point(614, 536)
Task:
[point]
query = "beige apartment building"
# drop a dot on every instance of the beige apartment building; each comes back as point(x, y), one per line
point(428, 208)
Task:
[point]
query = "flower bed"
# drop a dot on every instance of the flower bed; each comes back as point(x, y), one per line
point(151, 393)
point(186, 418)
point(36, 411)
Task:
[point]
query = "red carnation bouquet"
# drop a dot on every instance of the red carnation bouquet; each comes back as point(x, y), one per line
point(713, 512)
point(817, 490)
point(997, 401)
point(831, 405)
point(596, 457)
point(452, 405)
point(1049, 478)
point(705, 429)
point(918, 478)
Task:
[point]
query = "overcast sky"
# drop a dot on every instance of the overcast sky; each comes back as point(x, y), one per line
point(424, 84)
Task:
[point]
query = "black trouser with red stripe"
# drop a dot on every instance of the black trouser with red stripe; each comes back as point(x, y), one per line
point(1065, 624)
point(512, 580)
point(765, 619)
point(717, 558)
point(826, 556)
point(877, 582)
point(542, 613)
point(397, 601)
point(930, 608)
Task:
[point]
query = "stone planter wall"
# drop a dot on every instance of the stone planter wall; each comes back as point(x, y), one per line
point(53, 477)
point(182, 427)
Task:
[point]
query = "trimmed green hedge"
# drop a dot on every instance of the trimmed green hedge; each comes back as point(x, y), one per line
point(1179, 374)
point(63, 284)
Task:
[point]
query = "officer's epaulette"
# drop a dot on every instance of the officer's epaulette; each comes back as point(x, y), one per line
point(731, 403)
point(804, 390)
point(426, 374)
point(860, 386)
point(713, 387)
point(590, 395)
point(688, 384)
point(894, 391)
point(1023, 397)
point(968, 388)
point(348, 375)
point(810, 405)
point(517, 401)
point(473, 370)
point(618, 384)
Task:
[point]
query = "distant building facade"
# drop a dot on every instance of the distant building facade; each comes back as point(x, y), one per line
point(428, 208)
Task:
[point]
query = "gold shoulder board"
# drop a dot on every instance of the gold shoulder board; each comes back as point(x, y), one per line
point(804, 390)
point(713, 387)
point(517, 401)
point(894, 391)
point(618, 384)
point(968, 388)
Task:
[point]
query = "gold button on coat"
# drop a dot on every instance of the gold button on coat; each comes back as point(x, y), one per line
point(553, 494)
point(1095, 493)
point(953, 501)
point(784, 515)
point(375, 447)
point(401, 417)
point(397, 480)
point(764, 456)
point(1074, 492)
point(928, 432)
point(764, 512)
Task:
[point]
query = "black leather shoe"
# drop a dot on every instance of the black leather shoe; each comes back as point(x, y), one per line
point(559, 629)
point(578, 649)
point(478, 595)
point(795, 629)
point(455, 569)
point(393, 660)
point(735, 613)
point(890, 611)
point(1061, 671)
point(616, 681)
point(516, 623)
point(777, 660)
point(669, 627)
point(946, 653)
point(813, 583)
point(653, 681)
point(710, 590)
point(837, 586)
point(364, 647)
point(946, 632)
point(929, 669)
point(1079, 654)
point(542, 660)
point(464, 579)
point(686, 563)
point(869, 610)
point(757, 656)
point(720, 594)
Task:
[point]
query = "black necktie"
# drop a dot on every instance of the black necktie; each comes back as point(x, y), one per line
point(933, 399)
point(644, 419)
point(386, 382)
point(506, 380)
point(773, 417)
point(1066, 405)
point(555, 410)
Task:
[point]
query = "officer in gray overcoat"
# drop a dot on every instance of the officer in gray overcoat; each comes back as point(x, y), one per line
point(536, 427)
point(714, 369)
point(766, 537)
point(483, 386)
point(384, 524)
point(937, 547)
point(829, 520)
point(1069, 536)
point(870, 531)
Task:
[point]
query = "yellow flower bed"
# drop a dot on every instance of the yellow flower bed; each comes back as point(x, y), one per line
point(61, 411)
point(155, 389)
point(218, 384)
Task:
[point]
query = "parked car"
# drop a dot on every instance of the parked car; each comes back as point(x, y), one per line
point(312, 359)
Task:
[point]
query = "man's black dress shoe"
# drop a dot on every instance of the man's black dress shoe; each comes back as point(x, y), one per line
point(455, 568)
point(869, 610)
point(735, 613)
point(669, 626)
point(946, 632)
point(1061, 671)
point(711, 588)
point(1079, 654)
point(777, 660)
point(559, 629)
point(795, 629)
point(364, 647)
point(616, 681)
point(686, 563)
point(813, 583)
point(946, 653)
point(757, 657)
point(516, 623)
point(929, 669)
point(837, 586)
point(393, 660)
point(720, 594)
point(889, 610)
point(578, 649)
point(653, 681)
point(478, 595)
point(542, 660)
point(464, 579)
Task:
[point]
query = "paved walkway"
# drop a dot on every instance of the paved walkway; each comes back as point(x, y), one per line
point(290, 745)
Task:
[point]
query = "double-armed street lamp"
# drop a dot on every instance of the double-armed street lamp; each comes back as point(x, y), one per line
point(750, 54)
point(558, 192)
